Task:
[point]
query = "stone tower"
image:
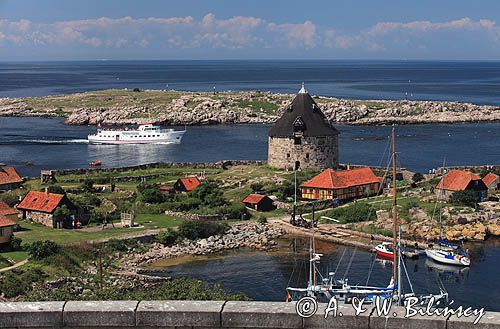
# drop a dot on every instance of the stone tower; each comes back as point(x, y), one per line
point(303, 137)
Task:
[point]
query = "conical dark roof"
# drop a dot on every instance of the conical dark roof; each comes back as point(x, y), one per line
point(305, 115)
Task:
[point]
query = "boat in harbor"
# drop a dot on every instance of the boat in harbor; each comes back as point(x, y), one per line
point(446, 252)
point(145, 134)
point(326, 287)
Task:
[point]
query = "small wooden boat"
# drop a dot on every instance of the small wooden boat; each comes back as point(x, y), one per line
point(95, 163)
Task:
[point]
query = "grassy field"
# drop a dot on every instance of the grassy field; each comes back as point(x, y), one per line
point(34, 231)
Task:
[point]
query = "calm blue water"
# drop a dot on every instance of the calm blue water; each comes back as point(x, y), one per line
point(265, 275)
point(477, 82)
point(49, 144)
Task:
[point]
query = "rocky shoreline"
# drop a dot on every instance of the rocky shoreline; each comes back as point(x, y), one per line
point(248, 235)
point(121, 107)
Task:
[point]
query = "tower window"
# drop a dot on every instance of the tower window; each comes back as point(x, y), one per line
point(297, 140)
point(307, 155)
point(288, 155)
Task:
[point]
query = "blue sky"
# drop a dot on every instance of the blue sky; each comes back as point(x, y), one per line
point(250, 29)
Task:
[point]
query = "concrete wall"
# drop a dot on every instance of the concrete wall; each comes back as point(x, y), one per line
point(314, 152)
point(214, 314)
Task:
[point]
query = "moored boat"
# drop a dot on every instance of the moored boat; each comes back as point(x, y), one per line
point(448, 257)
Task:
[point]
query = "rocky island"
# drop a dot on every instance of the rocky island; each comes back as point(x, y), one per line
point(202, 108)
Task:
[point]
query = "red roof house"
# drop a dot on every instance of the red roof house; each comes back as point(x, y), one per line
point(341, 185)
point(461, 180)
point(6, 229)
point(40, 207)
point(9, 212)
point(258, 202)
point(492, 181)
point(187, 184)
point(9, 178)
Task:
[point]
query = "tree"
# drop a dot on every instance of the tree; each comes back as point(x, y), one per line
point(87, 185)
point(152, 195)
point(465, 198)
point(256, 187)
point(62, 213)
point(417, 177)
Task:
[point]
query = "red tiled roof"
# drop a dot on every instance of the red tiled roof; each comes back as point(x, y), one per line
point(253, 198)
point(9, 175)
point(5, 209)
point(489, 178)
point(330, 179)
point(40, 201)
point(4, 221)
point(190, 183)
point(456, 180)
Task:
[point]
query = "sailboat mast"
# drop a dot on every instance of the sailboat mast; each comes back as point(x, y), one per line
point(394, 210)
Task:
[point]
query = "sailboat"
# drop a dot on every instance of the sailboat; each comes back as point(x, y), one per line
point(342, 290)
point(447, 253)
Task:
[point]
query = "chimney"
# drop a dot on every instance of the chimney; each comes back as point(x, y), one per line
point(348, 166)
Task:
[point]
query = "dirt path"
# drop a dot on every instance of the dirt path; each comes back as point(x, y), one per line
point(21, 263)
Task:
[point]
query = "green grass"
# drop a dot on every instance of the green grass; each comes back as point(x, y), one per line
point(34, 231)
point(15, 256)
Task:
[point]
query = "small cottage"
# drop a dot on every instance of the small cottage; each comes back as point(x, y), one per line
point(492, 181)
point(258, 202)
point(40, 207)
point(6, 229)
point(9, 179)
point(341, 185)
point(186, 184)
point(460, 180)
point(9, 212)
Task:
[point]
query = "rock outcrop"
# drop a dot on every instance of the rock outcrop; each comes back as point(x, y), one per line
point(182, 108)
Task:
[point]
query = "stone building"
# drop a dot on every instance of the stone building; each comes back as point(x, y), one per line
point(41, 206)
point(303, 137)
point(9, 178)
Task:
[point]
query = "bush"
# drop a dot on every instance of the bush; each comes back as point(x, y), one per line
point(193, 230)
point(168, 237)
point(262, 219)
point(87, 185)
point(153, 195)
point(41, 249)
point(15, 244)
point(464, 198)
point(417, 177)
point(256, 187)
point(115, 245)
point(18, 282)
point(52, 188)
point(61, 213)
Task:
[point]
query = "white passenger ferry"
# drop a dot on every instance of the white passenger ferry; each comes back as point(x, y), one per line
point(145, 134)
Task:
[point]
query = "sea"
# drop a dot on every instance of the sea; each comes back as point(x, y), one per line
point(32, 144)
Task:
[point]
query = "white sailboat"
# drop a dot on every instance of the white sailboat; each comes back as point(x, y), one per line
point(445, 252)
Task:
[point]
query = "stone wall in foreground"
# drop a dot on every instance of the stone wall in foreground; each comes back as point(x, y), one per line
point(214, 314)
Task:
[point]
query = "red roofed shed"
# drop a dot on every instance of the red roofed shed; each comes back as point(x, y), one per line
point(341, 185)
point(258, 202)
point(9, 178)
point(492, 181)
point(186, 184)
